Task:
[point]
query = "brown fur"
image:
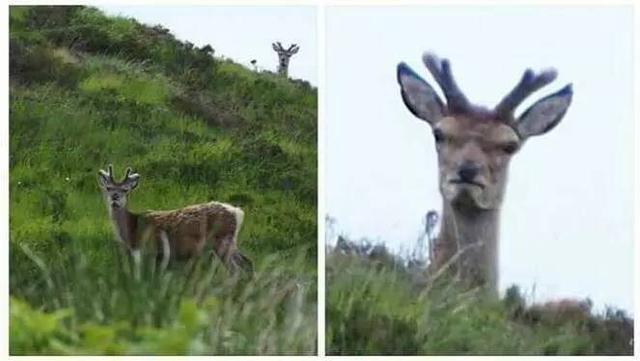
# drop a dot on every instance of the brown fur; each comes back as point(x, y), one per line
point(191, 227)
point(559, 311)
point(471, 213)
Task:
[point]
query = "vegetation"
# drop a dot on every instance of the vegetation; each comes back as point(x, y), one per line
point(87, 90)
point(380, 304)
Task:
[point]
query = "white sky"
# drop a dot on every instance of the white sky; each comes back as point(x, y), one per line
point(241, 33)
point(567, 220)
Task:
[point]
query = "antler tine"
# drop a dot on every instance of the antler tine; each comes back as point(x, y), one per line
point(441, 71)
point(126, 176)
point(111, 172)
point(106, 176)
point(528, 84)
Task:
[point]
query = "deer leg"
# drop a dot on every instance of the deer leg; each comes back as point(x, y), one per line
point(243, 262)
point(225, 249)
point(231, 257)
point(166, 251)
point(135, 255)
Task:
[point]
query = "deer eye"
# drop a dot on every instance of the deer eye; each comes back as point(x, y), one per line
point(509, 148)
point(438, 135)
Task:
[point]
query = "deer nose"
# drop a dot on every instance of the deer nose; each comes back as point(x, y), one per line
point(115, 197)
point(468, 171)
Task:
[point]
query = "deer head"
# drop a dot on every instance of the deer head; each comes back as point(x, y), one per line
point(475, 144)
point(115, 193)
point(284, 54)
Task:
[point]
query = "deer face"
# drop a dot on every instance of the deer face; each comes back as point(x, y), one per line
point(474, 144)
point(115, 193)
point(284, 54)
point(283, 59)
point(473, 157)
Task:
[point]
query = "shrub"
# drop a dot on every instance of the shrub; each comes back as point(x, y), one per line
point(383, 308)
point(40, 64)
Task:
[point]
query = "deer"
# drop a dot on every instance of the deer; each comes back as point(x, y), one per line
point(474, 147)
point(174, 234)
point(284, 55)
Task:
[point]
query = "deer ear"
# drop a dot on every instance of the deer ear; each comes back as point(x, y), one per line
point(131, 182)
point(419, 96)
point(103, 178)
point(545, 114)
point(295, 50)
point(273, 45)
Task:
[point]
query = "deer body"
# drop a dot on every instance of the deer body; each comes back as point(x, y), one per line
point(474, 146)
point(176, 234)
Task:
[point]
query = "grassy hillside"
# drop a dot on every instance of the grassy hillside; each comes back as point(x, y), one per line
point(87, 90)
point(377, 304)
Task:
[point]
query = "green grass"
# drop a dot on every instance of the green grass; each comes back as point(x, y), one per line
point(196, 128)
point(381, 307)
point(194, 308)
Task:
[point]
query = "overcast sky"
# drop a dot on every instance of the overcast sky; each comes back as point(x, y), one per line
point(567, 224)
point(241, 33)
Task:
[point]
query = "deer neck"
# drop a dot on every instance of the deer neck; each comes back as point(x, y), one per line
point(125, 224)
point(474, 232)
point(283, 67)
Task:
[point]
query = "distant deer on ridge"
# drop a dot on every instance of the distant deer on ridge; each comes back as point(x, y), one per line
point(284, 55)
